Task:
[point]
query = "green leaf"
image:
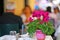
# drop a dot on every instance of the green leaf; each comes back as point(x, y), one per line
point(46, 28)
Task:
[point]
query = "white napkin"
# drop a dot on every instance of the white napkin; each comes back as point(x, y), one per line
point(48, 38)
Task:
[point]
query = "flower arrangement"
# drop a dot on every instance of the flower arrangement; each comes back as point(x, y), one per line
point(40, 20)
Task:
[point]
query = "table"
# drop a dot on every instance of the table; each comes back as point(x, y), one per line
point(10, 37)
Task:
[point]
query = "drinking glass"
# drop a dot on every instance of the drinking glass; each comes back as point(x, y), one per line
point(12, 32)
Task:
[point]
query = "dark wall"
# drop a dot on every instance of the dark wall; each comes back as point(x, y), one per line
point(1, 6)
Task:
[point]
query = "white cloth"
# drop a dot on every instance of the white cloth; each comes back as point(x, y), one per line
point(52, 15)
point(48, 38)
point(57, 31)
point(7, 37)
point(23, 17)
point(57, 22)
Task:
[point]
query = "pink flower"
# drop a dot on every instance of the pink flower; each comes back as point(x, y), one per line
point(45, 14)
point(36, 13)
point(46, 19)
point(30, 19)
point(41, 12)
point(38, 18)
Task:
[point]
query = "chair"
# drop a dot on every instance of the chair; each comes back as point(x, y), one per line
point(6, 28)
point(0, 31)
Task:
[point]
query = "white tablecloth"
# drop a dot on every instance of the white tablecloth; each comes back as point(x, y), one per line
point(9, 37)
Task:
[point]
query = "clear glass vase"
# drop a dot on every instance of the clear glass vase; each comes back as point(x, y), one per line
point(30, 35)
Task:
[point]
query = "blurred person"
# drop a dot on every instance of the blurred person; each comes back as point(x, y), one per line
point(48, 9)
point(10, 22)
point(57, 22)
point(52, 17)
point(57, 12)
point(51, 14)
point(26, 14)
point(10, 7)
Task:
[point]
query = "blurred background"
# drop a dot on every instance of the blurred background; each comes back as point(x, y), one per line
point(24, 8)
point(20, 4)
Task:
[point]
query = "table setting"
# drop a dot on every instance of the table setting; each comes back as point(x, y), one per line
point(22, 37)
point(39, 28)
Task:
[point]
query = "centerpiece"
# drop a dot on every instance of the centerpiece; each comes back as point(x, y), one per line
point(40, 21)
